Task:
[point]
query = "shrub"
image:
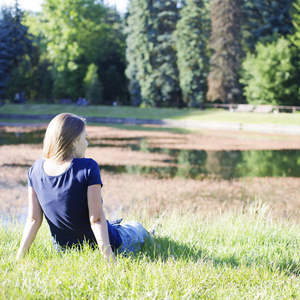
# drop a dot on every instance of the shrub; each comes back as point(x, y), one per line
point(269, 76)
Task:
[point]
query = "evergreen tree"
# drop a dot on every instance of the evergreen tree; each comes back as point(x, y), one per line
point(295, 36)
point(14, 43)
point(132, 30)
point(33, 74)
point(154, 55)
point(93, 87)
point(265, 20)
point(112, 63)
point(225, 41)
point(192, 34)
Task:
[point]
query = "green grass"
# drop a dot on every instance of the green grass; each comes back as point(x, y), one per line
point(215, 115)
point(235, 256)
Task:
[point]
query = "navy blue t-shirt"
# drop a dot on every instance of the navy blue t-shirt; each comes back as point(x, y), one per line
point(63, 199)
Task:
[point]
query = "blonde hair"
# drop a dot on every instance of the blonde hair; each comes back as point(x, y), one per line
point(60, 135)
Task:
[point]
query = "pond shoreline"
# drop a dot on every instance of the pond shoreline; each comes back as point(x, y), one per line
point(169, 123)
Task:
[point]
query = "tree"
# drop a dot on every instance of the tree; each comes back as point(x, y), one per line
point(73, 29)
point(225, 41)
point(93, 86)
point(266, 20)
point(33, 74)
point(295, 36)
point(270, 76)
point(133, 24)
point(192, 35)
point(152, 27)
point(112, 63)
point(14, 43)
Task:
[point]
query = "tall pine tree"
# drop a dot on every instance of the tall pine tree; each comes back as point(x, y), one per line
point(135, 21)
point(225, 42)
point(295, 37)
point(266, 20)
point(154, 56)
point(192, 58)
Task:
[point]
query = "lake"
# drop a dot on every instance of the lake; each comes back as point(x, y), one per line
point(186, 163)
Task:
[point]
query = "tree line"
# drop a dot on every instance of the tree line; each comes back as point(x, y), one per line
point(162, 53)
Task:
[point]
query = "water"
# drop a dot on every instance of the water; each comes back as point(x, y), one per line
point(15, 138)
point(189, 163)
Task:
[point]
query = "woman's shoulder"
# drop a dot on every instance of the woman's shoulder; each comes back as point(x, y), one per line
point(85, 162)
point(37, 165)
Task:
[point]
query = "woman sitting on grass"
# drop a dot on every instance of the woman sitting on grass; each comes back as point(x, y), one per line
point(66, 188)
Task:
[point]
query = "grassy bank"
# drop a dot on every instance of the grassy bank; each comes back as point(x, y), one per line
point(214, 115)
point(235, 256)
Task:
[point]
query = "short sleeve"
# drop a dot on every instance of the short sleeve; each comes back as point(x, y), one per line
point(29, 173)
point(94, 176)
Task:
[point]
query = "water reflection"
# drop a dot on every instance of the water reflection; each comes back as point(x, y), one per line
point(225, 164)
point(15, 138)
point(270, 163)
point(187, 163)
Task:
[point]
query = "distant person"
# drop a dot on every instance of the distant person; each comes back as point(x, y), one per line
point(17, 98)
point(79, 101)
point(84, 102)
point(66, 188)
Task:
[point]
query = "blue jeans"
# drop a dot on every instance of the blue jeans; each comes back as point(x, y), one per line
point(133, 235)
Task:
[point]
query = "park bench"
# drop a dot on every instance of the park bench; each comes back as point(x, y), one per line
point(263, 108)
point(244, 108)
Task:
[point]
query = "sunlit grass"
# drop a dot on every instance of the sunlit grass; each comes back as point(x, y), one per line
point(238, 255)
point(213, 115)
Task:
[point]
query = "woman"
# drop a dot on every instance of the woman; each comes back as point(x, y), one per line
point(66, 188)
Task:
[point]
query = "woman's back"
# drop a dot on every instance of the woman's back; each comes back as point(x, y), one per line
point(63, 198)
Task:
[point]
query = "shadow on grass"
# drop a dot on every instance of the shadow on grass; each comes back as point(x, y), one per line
point(164, 248)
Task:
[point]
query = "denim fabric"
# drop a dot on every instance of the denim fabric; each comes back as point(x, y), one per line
point(133, 234)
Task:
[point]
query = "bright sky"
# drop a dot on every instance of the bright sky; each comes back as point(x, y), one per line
point(35, 5)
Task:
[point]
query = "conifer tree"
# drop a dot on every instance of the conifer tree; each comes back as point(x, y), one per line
point(295, 37)
point(192, 35)
point(154, 54)
point(14, 42)
point(266, 20)
point(93, 87)
point(225, 42)
point(132, 30)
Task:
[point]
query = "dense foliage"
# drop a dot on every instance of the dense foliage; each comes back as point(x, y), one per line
point(269, 76)
point(170, 53)
point(14, 44)
point(264, 19)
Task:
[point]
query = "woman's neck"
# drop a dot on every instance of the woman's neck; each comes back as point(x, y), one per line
point(55, 168)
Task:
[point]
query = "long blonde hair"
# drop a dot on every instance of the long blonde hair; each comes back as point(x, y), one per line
point(60, 135)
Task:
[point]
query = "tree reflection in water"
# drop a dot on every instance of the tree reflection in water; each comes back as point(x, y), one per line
point(186, 163)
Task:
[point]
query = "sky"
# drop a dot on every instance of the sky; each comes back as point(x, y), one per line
point(35, 5)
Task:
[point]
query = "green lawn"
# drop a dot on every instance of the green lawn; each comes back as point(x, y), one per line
point(235, 256)
point(214, 115)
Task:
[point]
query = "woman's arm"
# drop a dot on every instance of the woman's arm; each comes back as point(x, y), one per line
point(98, 221)
point(33, 222)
